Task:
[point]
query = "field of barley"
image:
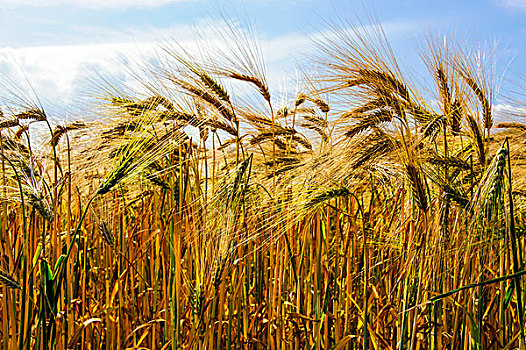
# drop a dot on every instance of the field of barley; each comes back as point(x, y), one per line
point(202, 210)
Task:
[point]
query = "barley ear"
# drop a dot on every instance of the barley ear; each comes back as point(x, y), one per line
point(418, 186)
point(9, 281)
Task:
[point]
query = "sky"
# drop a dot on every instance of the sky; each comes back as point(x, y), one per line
point(57, 45)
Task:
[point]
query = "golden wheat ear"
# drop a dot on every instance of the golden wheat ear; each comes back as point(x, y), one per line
point(60, 131)
point(9, 281)
point(34, 114)
point(37, 200)
point(106, 234)
point(9, 123)
point(482, 97)
point(477, 138)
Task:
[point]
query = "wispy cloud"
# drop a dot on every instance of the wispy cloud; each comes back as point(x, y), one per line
point(88, 4)
point(513, 4)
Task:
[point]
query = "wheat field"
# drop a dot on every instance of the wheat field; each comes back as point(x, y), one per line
point(205, 211)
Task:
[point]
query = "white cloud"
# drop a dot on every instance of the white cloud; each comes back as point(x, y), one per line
point(90, 4)
point(61, 73)
point(54, 71)
point(513, 4)
point(507, 112)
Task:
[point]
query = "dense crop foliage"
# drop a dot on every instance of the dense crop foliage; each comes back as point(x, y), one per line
point(361, 214)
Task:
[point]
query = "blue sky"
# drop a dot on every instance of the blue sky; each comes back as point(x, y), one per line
point(56, 44)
